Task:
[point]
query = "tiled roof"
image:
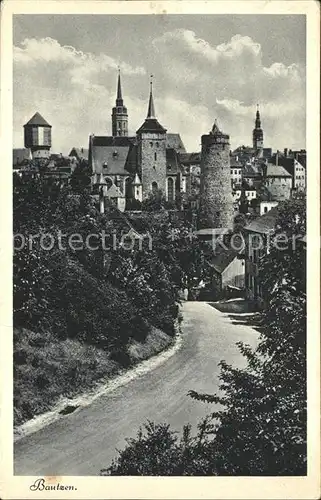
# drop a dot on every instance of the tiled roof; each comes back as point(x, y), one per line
point(221, 260)
point(37, 119)
point(109, 154)
point(276, 171)
point(174, 141)
point(234, 163)
point(151, 125)
point(265, 223)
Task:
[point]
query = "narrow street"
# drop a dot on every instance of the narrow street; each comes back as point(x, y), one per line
point(85, 441)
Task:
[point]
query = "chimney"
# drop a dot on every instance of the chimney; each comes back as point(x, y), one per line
point(285, 152)
point(277, 158)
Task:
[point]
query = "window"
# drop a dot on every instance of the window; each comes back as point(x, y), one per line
point(170, 189)
point(119, 124)
point(265, 209)
point(154, 187)
point(155, 156)
point(151, 144)
point(157, 144)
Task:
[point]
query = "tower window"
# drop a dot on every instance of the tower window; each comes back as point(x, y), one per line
point(151, 144)
point(119, 124)
point(118, 110)
point(157, 144)
point(155, 156)
point(154, 187)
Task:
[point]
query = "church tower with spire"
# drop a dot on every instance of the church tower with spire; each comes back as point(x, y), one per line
point(119, 114)
point(151, 140)
point(257, 131)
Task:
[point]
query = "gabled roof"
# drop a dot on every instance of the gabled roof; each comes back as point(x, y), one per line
point(151, 125)
point(137, 181)
point(80, 153)
point(109, 155)
point(221, 260)
point(114, 192)
point(174, 141)
point(276, 171)
point(37, 119)
point(265, 223)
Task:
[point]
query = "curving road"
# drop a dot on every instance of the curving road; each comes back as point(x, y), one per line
point(85, 441)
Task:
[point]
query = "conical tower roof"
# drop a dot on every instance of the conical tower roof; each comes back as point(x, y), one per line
point(151, 124)
point(151, 107)
point(119, 98)
point(38, 120)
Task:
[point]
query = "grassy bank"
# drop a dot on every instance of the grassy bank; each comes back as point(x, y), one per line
point(48, 370)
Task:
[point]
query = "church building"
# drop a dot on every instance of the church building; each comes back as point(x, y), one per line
point(133, 167)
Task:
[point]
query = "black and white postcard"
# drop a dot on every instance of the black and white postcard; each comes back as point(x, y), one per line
point(160, 249)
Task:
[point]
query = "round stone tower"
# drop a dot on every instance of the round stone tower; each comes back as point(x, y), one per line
point(216, 201)
point(38, 137)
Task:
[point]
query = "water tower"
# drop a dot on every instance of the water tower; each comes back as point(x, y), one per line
point(37, 134)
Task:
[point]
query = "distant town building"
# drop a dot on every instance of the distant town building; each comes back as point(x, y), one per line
point(37, 135)
point(289, 160)
point(257, 240)
point(257, 132)
point(278, 181)
point(79, 154)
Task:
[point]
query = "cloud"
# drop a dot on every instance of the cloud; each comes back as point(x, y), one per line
point(195, 83)
point(229, 79)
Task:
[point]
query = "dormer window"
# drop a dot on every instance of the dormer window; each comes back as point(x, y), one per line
point(115, 153)
point(105, 164)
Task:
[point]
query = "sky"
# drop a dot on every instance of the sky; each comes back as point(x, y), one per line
point(204, 67)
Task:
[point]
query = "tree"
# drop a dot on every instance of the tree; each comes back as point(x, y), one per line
point(154, 202)
point(80, 178)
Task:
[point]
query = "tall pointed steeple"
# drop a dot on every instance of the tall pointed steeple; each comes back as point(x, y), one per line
point(119, 100)
point(151, 107)
point(257, 131)
point(151, 123)
point(119, 113)
point(258, 118)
